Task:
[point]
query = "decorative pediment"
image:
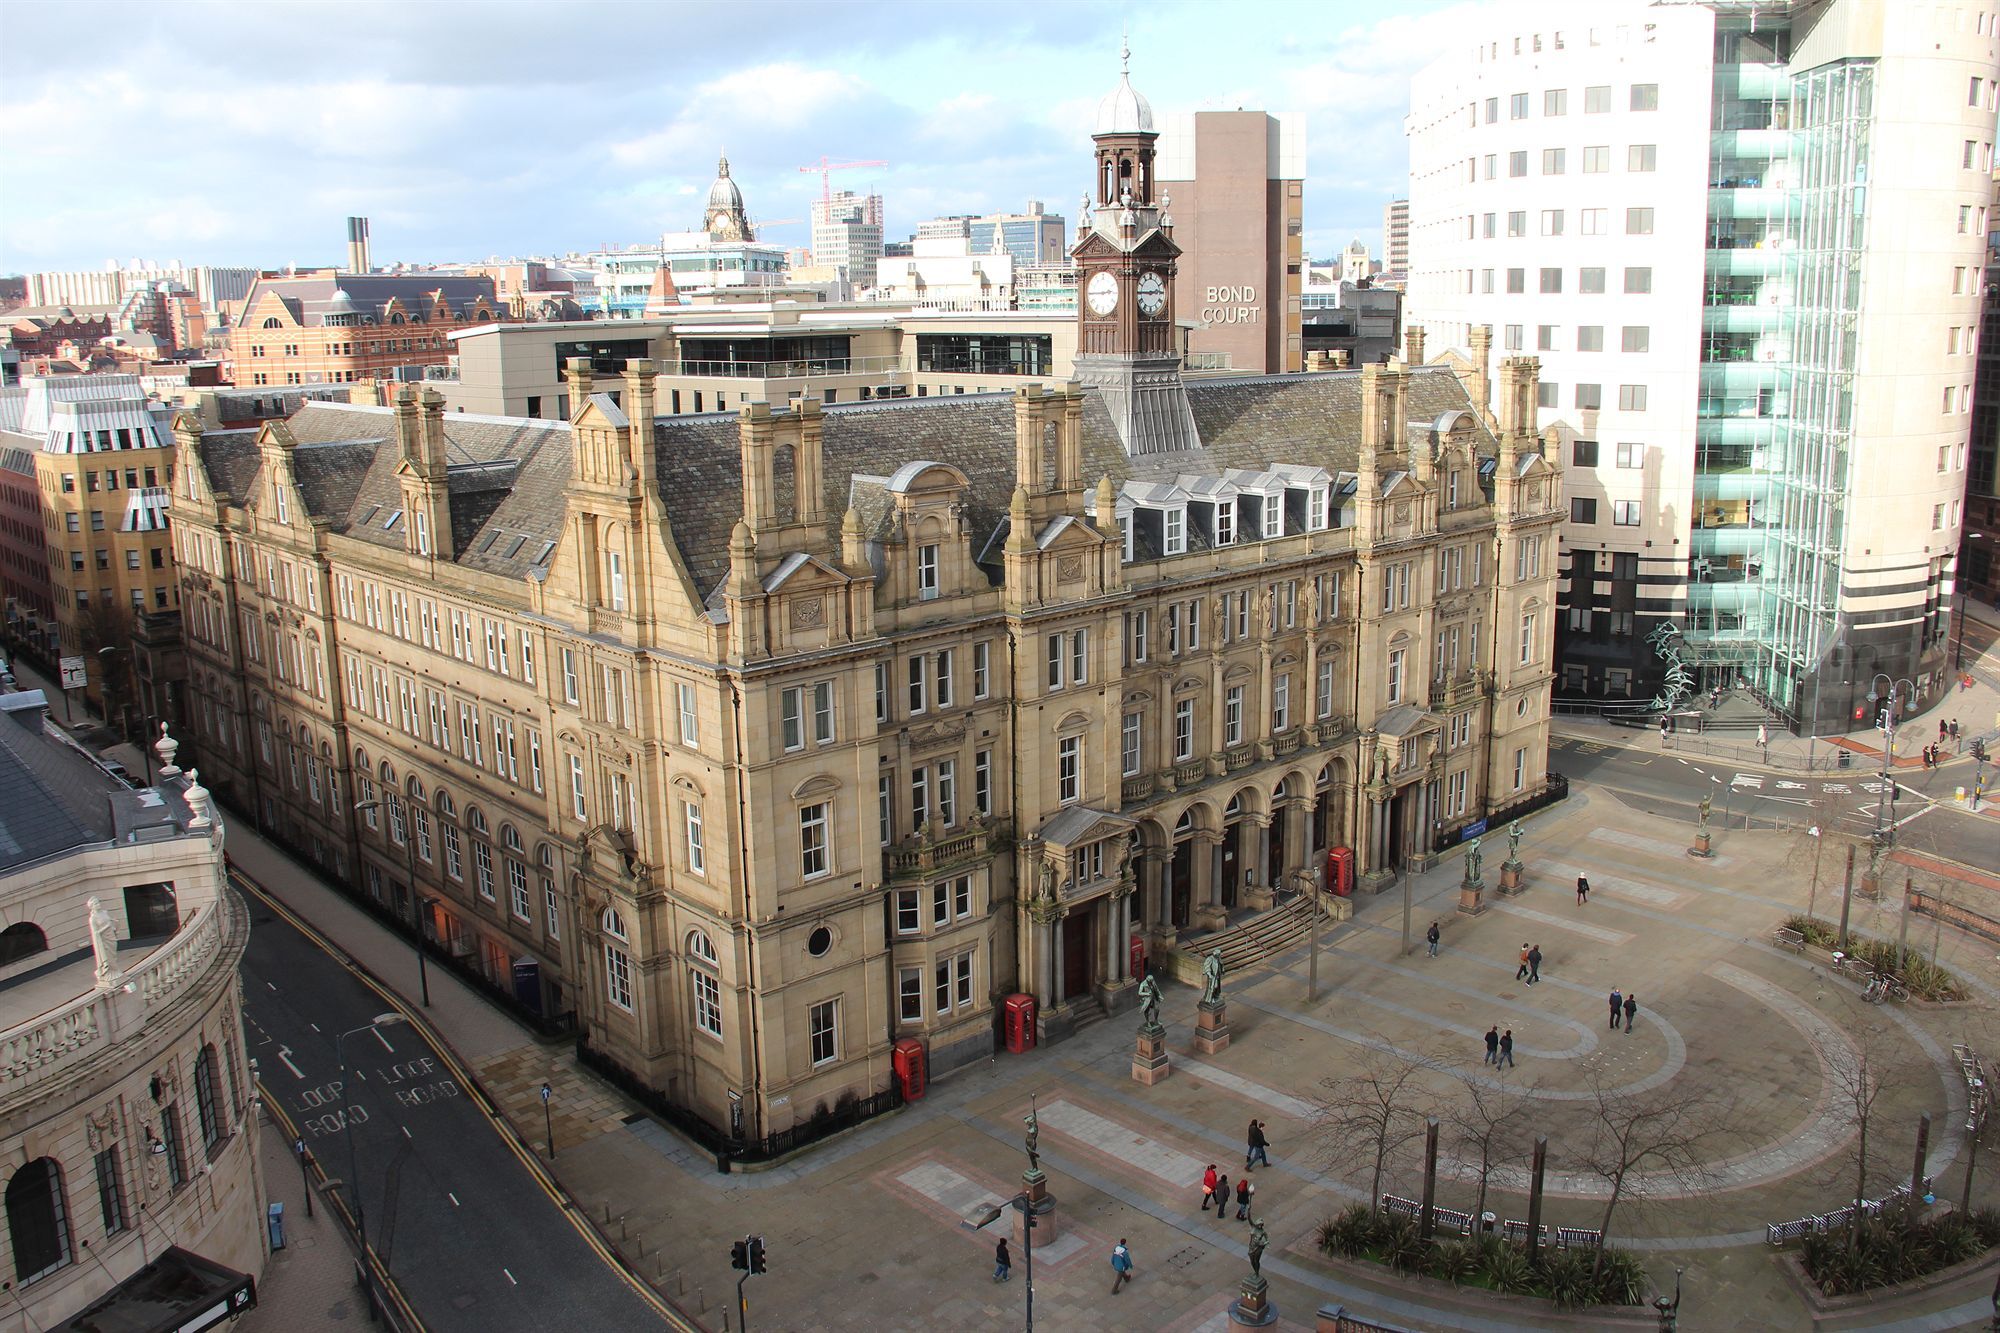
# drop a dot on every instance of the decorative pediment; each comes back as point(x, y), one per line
point(820, 784)
point(1073, 722)
point(1188, 685)
point(938, 735)
point(804, 571)
point(1077, 825)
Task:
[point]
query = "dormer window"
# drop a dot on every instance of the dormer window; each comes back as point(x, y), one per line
point(423, 531)
point(1274, 517)
point(1175, 540)
point(1316, 508)
point(1225, 523)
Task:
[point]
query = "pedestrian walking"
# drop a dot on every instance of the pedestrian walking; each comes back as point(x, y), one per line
point(1582, 889)
point(1431, 938)
point(1617, 1004)
point(1944, 729)
point(1663, 730)
point(1534, 964)
point(1258, 1146)
point(1954, 728)
point(1001, 1262)
point(1244, 1189)
point(1207, 1186)
point(1493, 1044)
point(1521, 972)
point(1764, 739)
point(1121, 1265)
point(1506, 1049)
point(1222, 1193)
point(1631, 1008)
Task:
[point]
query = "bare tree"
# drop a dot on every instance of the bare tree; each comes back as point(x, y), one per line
point(1858, 1072)
point(1642, 1143)
point(1490, 1126)
point(1382, 1104)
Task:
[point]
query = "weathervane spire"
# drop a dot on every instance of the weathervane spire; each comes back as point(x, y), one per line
point(1124, 50)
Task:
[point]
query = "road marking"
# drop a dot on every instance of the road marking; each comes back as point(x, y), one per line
point(454, 1199)
point(1783, 785)
point(407, 1134)
point(313, 1026)
point(1550, 919)
point(1749, 780)
point(274, 988)
point(285, 1058)
point(1836, 789)
point(384, 1040)
point(510, 1277)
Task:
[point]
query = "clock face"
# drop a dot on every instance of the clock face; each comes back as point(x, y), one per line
point(1102, 294)
point(1152, 294)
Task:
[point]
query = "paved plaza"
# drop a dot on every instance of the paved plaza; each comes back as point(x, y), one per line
point(865, 1232)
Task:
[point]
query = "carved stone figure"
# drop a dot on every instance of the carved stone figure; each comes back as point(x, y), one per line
point(1472, 859)
point(1381, 763)
point(1211, 978)
point(1260, 1240)
point(1047, 891)
point(1149, 1003)
point(1514, 842)
point(104, 942)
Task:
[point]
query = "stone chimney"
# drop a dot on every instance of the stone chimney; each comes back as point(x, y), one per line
point(1480, 390)
point(1413, 344)
point(576, 371)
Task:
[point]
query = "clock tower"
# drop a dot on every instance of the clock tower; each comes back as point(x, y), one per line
point(1125, 259)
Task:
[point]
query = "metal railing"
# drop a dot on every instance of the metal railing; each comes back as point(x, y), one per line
point(801, 368)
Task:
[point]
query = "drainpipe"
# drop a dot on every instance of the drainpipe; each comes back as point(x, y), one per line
point(750, 933)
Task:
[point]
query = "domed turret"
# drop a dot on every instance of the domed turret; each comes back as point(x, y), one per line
point(724, 218)
point(1123, 110)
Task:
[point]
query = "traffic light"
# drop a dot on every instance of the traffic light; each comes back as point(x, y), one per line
point(739, 1255)
point(756, 1254)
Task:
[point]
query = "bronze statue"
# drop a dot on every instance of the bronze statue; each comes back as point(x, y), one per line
point(1149, 1002)
point(1472, 862)
point(1514, 842)
point(1034, 1123)
point(1260, 1240)
point(1211, 976)
point(1701, 814)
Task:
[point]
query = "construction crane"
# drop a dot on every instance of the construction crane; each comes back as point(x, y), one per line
point(826, 166)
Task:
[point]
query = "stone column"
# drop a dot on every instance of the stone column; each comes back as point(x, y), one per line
point(1056, 974)
point(1216, 689)
point(1045, 940)
point(1260, 895)
point(1208, 913)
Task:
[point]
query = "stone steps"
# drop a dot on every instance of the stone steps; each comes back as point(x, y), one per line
point(1252, 942)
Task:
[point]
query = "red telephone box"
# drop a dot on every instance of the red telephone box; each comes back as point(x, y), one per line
point(1019, 1011)
point(1138, 957)
point(909, 1063)
point(1340, 871)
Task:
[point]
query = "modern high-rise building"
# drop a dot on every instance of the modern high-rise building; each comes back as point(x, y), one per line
point(1746, 243)
point(1032, 236)
point(847, 233)
point(1396, 240)
point(1236, 185)
point(112, 283)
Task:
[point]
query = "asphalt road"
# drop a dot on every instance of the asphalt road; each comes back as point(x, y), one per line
point(1664, 783)
point(471, 1237)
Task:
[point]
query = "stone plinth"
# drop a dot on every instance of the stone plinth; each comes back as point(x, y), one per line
point(1259, 897)
point(1701, 848)
point(1211, 1026)
point(1512, 881)
point(1373, 881)
point(1035, 1185)
point(1149, 1057)
point(1210, 917)
point(1253, 1308)
point(1471, 898)
point(1871, 885)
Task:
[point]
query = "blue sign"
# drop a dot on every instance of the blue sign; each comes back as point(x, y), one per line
point(1472, 830)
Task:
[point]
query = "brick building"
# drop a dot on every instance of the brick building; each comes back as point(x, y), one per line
point(339, 328)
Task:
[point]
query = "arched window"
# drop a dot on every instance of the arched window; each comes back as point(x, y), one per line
point(23, 939)
point(617, 963)
point(273, 322)
point(482, 853)
point(707, 987)
point(207, 1099)
point(518, 900)
point(445, 809)
point(37, 1219)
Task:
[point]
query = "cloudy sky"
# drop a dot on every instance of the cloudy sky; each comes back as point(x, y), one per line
point(243, 133)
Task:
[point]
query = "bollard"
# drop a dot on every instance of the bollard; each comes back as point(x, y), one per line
point(701, 1300)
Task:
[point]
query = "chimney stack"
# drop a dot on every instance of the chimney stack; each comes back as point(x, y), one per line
point(357, 246)
point(1413, 345)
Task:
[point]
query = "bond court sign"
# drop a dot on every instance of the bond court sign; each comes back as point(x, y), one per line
point(1229, 305)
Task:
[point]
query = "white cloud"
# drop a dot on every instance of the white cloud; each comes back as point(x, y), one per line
point(746, 104)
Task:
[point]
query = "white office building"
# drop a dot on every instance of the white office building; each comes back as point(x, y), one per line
point(1745, 241)
point(847, 233)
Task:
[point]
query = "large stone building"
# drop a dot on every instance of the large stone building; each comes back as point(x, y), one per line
point(759, 741)
point(127, 1127)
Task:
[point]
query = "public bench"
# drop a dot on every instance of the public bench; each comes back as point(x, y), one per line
point(1786, 938)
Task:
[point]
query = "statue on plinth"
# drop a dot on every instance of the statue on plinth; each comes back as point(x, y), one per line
point(1149, 1003)
point(1472, 862)
point(1702, 812)
point(1514, 832)
point(1034, 1123)
point(1211, 977)
point(103, 942)
point(1260, 1240)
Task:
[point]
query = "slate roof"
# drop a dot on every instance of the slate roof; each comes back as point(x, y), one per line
point(311, 299)
point(50, 799)
point(508, 511)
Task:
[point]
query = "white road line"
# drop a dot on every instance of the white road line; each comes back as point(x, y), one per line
point(285, 1058)
point(272, 987)
point(361, 1075)
point(313, 1026)
point(510, 1277)
point(384, 1040)
point(454, 1199)
point(407, 1134)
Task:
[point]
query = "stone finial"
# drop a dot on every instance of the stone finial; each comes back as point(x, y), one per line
point(853, 541)
point(196, 797)
point(742, 560)
point(167, 747)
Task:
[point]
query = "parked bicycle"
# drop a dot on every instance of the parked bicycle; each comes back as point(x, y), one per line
point(1882, 986)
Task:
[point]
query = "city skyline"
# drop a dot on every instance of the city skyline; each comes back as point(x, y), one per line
point(411, 135)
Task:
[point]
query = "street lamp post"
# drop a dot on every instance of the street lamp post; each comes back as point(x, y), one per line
point(548, 1122)
point(1026, 1205)
point(1885, 826)
point(347, 1119)
point(416, 901)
